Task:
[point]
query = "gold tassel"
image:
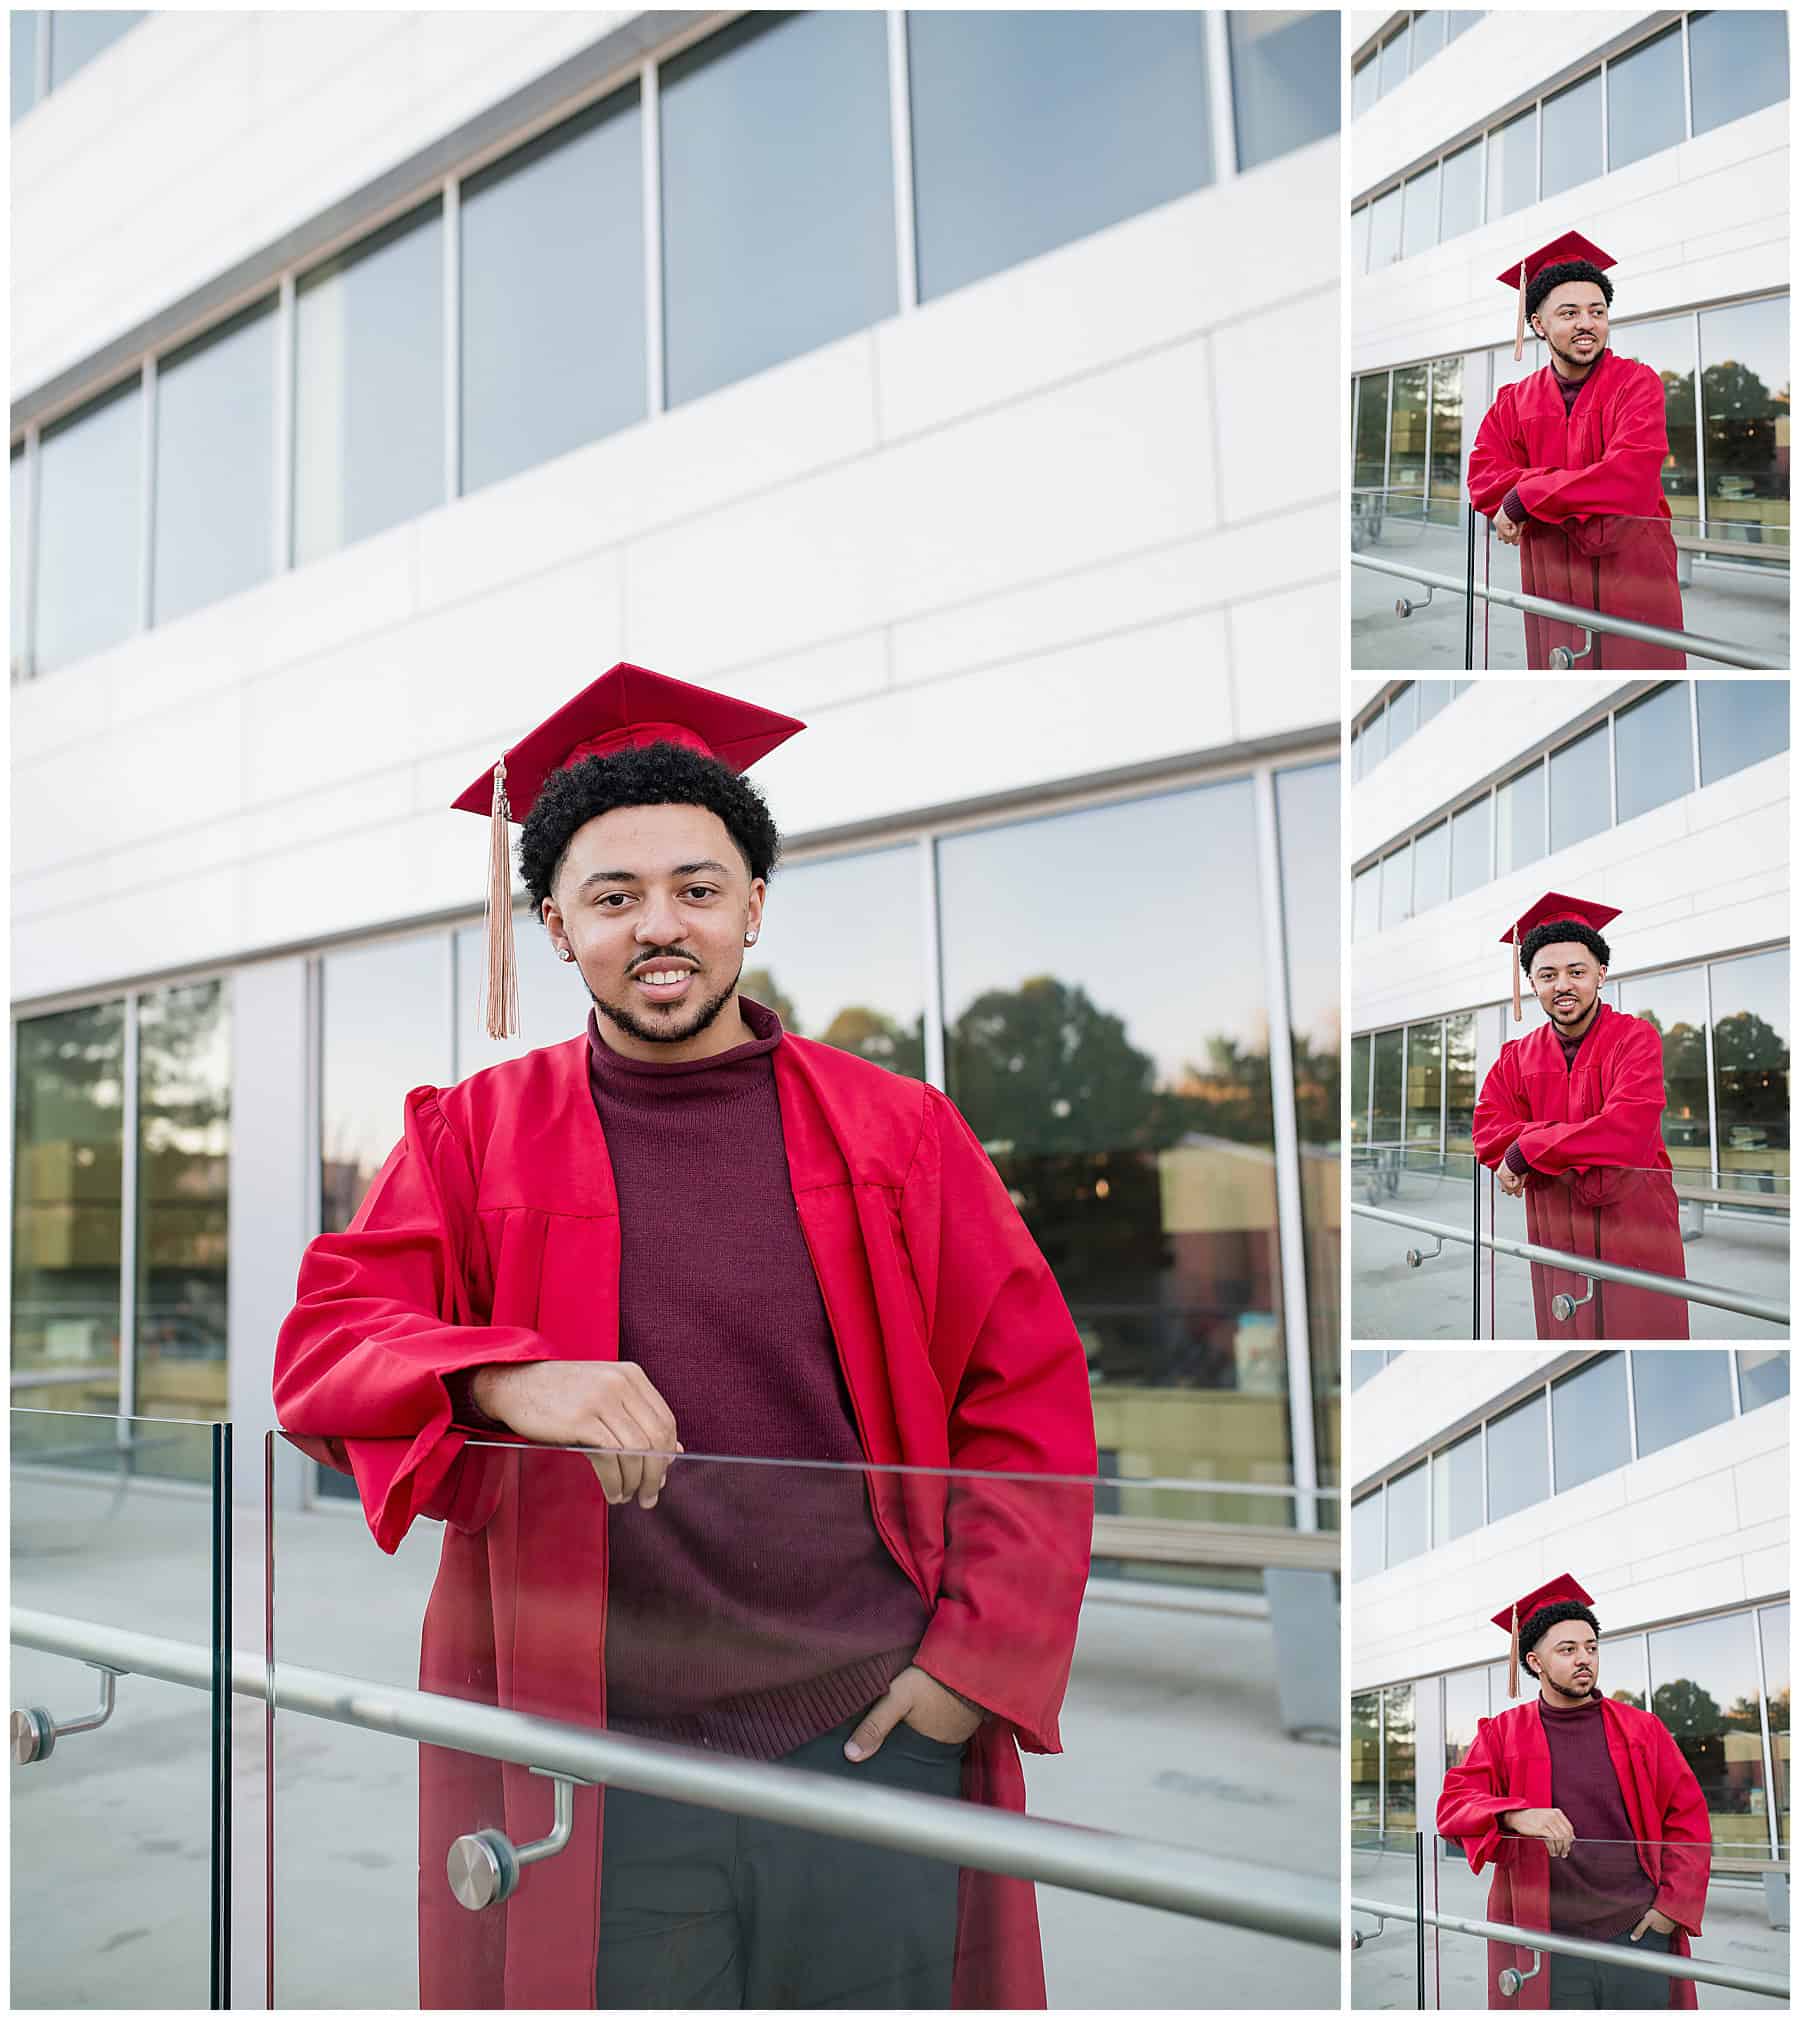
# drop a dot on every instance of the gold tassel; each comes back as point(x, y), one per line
point(1518, 1007)
point(1519, 331)
point(501, 1018)
point(1512, 1661)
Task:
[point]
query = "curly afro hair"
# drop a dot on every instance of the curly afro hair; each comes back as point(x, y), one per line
point(1552, 278)
point(654, 775)
point(1532, 1631)
point(1555, 931)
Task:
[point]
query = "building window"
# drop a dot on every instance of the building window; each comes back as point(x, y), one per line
point(1465, 1705)
point(1589, 1422)
point(1284, 81)
point(777, 194)
point(1704, 1688)
point(1384, 230)
point(1762, 1376)
point(1424, 1082)
point(838, 959)
point(1519, 820)
point(90, 529)
point(1518, 1461)
point(184, 1117)
point(1471, 846)
point(1406, 456)
point(1459, 1081)
point(1572, 136)
point(1744, 395)
point(1365, 902)
point(1365, 1761)
point(77, 36)
point(1427, 36)
point(68, 1199)
point(1666, 345)
point(1750, 1058)
point(1408, 1516)
point(1772, 1624)
point(1678, 1393)
point(1740, 64)
point(1461, 207)
point(553, 1003)
point(215, 465)
point(1741, 723)
point(1359, 240)
point(1389, 1056)
point(1371, 455)
point(21, 556)
point(1446, 443)
point(1580, 788)
point(1359, 1088)
point(1654, 762)
point(1456, 1490)
point(1366, 1543)
point(369, 386)
point(552, 293)
point(1431, 867)
point(1419, 212)
point(1644, 100)
point(1512, 166)
point(24, 47)
point(1675, 1004)
point(1396, 887)
point(1394, 54)
point(1399, 1772)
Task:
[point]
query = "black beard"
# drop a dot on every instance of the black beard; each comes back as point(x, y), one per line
point(633, 1026)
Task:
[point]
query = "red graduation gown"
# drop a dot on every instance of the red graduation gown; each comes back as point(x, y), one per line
point(1599, 533)
point(1508, 1768)
point(1601, 1182)
point(492, 1234)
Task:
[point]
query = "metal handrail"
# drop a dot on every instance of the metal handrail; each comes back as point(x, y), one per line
point(1736, 1977)
point(1590, 1266)
point(1140, 1870)
point(1720, 650)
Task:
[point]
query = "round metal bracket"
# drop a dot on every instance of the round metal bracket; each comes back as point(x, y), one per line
point(1562, 659)
point(1510, 1980)
point(1564, 1307)
point(485, 1866)
point(34, 1731)
point(1416, 1256)
point(1404, 606)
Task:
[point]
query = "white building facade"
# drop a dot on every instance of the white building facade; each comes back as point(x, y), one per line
point(902, 372)
point(1657, 1478)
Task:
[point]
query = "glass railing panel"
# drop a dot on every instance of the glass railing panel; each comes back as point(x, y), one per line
point(1735, 1889)
point(1728, 1244)
point(1732, 583)
point(1409, 1202)
point(756, 1613)
point(117, 1856)
point(1384, 1951)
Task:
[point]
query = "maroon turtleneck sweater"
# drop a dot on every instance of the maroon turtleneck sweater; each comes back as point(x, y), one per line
point(1599, 1890)
point(755, 1606)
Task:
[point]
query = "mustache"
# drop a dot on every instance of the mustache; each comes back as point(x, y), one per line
point(665, 954)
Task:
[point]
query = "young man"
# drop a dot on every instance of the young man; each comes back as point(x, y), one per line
point(1589, 1815)
point(686, 1231)
point(1570, 1116)
point(1568, 465)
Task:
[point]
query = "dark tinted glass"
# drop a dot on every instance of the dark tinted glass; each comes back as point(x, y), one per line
point(1284, 81)
point(1371, 466)
point(1465, 1702)
point(1653, 752)
point(1419, 206)
point(1678, 1392)
point(1396, 887)
point(1744, 401)
point(1740, 64)
point(1750, 1058)
point(1408, 1516)
point(1385, 1127)
point(1384, 231)
point(89, 528)
point(1431, 867)
point(1456, 1490)
point(1512, 165)
point(1762, 1375)
point(215, 466)
point(1365, 1536)
point(1572, 136)
point(841, 956)
point(1580, 791)
point(1741, 723)
point(1705, 1689)
point(1519, 818)
point(1644, 101)
point(1471, 847)
point(1666, 345)
point(552, 276)
point(1518, 1460)
point(1675, 1003)
point(1424, 1082)
point(1399, 1756)
point(184, 1128)
point(24, 61)
point(77, 37)
point(369, 387)
point(1589, 1422)
point(1359, 1088)
point(777, 194)
point(1460, 210)
point(1032, 129)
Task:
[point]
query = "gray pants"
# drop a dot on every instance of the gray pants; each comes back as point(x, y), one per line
point(701, 1908)
point(1574, 1981)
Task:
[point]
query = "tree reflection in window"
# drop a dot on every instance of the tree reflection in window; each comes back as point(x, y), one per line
point(1705, 1690)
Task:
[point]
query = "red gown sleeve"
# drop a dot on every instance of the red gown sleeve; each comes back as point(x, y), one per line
point(1497, 461)
point(1686, 1829)
point(1014, 1373)
point(1627, 1133)
point(382, 1313)
point(1627, 480)
point(1500, 1112)
point(1475, 1798)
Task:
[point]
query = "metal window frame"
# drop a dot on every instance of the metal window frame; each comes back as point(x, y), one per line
point(1631, 1430)
point(906, 244)
point(932, 951)
point(1737, 1392)
point(286, 390)
point(28, 587)
point(146, 595)
point(1220, 102)
point(650, 156)
point(450, 195)
point(1771, 1807)
point(1687, 83)
point(1605, 122)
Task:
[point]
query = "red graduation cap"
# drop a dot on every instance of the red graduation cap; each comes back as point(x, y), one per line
point(627, 708)
point(1551, 906)
point(1571, 246)
point(1559, 1588)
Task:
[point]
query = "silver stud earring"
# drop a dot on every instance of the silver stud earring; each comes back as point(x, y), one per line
point(564, 953)
point(750, 937)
